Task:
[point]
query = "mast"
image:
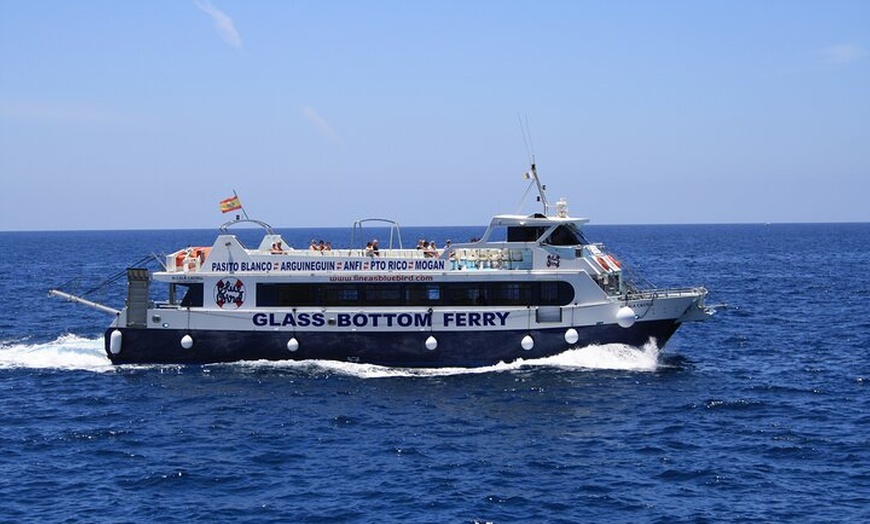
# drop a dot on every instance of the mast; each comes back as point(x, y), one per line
point(533, 171)
point(243, 207)
point(542, 196)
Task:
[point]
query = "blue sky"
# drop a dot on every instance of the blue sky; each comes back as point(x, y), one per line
point(143, 115)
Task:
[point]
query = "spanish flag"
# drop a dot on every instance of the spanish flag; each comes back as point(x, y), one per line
point(231, 204)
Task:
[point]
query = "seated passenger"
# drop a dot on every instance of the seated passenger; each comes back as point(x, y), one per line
point(277, 248)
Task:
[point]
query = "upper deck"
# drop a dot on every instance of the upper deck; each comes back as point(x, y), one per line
point(511, 244)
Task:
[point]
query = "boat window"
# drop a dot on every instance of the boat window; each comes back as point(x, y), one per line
point(525, 233)
point(423, 294)
point(383, 295)
point(193, 295)
point(553, 293)
point(411, 294)
point(513, 293)
point(497, 233)
point(304, 294)
point(565, 235)
point(340, 295)
point(466, 295)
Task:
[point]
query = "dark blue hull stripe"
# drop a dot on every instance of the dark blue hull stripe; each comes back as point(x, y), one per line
point(402, 349)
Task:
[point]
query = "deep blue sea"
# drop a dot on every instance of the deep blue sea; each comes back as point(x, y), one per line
point(761, 414)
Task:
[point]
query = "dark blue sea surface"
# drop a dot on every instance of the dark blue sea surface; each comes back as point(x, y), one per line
point(762, 413)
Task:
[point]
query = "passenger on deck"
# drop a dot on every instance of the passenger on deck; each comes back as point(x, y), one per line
point(328, 246)
point(277, 248)
point(430, 250)
point(448, 246)
point(313, 246)
point(370, 252)
point(375, 251)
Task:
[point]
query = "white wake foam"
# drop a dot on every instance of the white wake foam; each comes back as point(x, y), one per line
point(595, 357)
point(77, 353)
point(608, 356)
point(65, 352)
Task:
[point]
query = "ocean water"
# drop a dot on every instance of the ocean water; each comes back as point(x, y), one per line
point(761, 413)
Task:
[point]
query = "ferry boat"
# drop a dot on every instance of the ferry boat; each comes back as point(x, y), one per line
point(531, 286)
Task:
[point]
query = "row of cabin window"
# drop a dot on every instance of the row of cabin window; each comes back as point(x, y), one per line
point(547, 293)
point(544, 293)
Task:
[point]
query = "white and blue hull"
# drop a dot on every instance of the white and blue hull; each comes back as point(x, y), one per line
point(454, 348)
point(411, 338)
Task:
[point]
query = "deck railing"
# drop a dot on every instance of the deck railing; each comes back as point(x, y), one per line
point(664, 293)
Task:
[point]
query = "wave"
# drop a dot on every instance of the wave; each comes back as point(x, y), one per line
point(66, 352)
point(618, 357)
point(72, 352)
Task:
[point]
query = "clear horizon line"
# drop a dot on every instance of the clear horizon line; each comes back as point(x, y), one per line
point(611, 224)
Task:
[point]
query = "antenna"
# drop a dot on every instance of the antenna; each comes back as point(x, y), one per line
point(533, 170)
point(527, 137)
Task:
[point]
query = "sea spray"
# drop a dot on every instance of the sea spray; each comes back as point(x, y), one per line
point(65, 352)
point(594, 357)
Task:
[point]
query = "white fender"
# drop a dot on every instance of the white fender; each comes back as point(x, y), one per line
point(528, 342)
point(431, 343)
point(187, 342)
point(625, 317)
point(292, 344)
point(115, 342)
point(571, 336)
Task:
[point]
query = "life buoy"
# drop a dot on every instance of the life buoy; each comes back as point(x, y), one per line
point(603, 263)
point(616, 263)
